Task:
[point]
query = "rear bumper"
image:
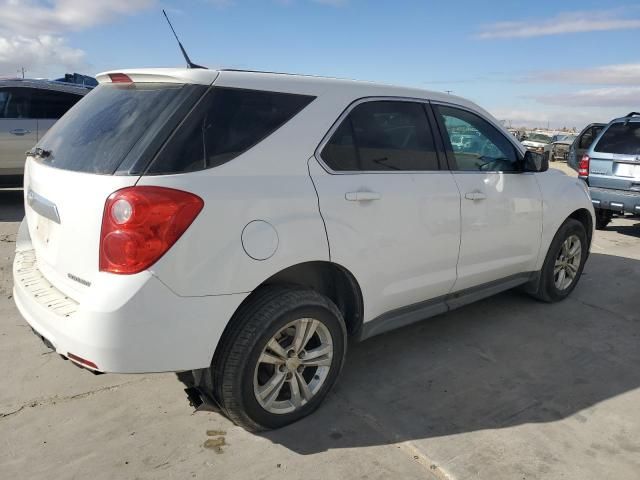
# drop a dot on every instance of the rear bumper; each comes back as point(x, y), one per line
point(153, 331)
point(615, 200)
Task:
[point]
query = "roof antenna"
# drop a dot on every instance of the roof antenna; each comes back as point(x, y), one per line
point(190, 64)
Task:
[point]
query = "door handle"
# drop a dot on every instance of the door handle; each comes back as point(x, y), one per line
point(362, 196)
point(475, 196)
point(19, 131)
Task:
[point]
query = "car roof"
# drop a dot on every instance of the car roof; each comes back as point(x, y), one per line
point(285, 82)
point(45, 85)
point(630, 117)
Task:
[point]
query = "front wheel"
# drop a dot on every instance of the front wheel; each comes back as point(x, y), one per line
point(282, 355)
point(564, 262)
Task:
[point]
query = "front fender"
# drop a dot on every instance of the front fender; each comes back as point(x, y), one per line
point(561, 196)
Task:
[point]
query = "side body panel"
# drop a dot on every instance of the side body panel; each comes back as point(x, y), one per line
point(402, 248)
point(17, 135)
point(500, 233)
point(561, 196)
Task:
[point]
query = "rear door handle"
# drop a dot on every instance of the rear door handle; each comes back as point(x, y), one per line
point(20, 131)
point(362, 196)
point(475, 196)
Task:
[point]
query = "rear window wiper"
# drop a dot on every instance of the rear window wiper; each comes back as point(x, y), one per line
point(39, 152)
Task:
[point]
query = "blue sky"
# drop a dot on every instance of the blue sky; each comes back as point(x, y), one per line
point(563, 63)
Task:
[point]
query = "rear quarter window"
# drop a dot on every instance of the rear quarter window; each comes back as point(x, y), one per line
point(226, 123)
point(620, 138)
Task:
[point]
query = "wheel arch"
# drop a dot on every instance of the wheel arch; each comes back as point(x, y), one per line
point(584, 216)
point(327, 278)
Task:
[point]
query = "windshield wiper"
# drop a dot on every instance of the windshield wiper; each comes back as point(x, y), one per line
point(39, 152)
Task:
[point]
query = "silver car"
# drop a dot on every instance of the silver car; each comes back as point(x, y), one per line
point(28, 108)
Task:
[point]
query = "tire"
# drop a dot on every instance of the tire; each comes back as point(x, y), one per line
point(547, 288)
point(237, 375)
point(603, 218)
point(550, 157)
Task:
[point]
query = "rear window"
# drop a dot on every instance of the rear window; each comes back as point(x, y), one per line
point(226, 123)
point(98, 133)
point(620, 138)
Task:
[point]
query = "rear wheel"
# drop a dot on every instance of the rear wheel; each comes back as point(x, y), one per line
point(283, 354)
point(603, 218)
point(564, 262)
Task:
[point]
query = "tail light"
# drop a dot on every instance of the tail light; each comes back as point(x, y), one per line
point(583, 166)
point(140, 224)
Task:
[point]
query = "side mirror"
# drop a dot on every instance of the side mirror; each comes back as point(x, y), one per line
point(535, 162)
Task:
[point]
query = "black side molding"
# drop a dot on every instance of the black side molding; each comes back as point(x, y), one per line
point(430, 308)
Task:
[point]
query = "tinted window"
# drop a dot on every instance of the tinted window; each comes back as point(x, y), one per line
point(99, 132)
point(51, 104)
point(620, 138)
point(476, 144)
point(226, 123)
point(15, 103)
point(382, 135)
point(587, 138)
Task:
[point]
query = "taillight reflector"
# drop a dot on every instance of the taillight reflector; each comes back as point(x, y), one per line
point(140, 224)
point(81, 361)
point(583, 166)
point(120, 78)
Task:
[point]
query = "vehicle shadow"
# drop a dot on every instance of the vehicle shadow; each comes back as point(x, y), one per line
point(505, 361)
point(630, 230)
point(11, 205)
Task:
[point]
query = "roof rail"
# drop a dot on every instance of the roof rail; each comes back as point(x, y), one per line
point(632, 114)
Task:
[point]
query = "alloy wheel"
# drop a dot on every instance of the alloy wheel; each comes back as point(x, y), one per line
point(567, 263)
point(293, 366)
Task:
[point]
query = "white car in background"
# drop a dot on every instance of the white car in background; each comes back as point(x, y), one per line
point(28, 108)
point(243, 225)
point(536, 141)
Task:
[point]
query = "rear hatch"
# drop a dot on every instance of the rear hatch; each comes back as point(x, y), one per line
point(101, 145)
point(615, 159)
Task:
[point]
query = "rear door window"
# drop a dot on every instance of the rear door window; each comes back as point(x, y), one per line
point(100, 131)
point(620, 138)
point(15, 103)
point(51, 104)
point(383, 136)
point(226, 123)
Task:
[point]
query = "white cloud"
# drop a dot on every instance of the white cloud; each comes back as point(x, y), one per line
point(40, 55)
point(32, 32)
point(627, 97)
point(622, 74)
point(555, 117)
point(63, 15)
point(570, 22)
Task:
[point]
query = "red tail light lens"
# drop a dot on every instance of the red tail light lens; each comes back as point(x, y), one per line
point(140, 224)
point(583, 166)
point(120, 78)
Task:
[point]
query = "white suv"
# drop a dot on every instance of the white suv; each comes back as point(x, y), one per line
point(243, 225)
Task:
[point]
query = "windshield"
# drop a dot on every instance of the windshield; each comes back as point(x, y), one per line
point(538, 137)
point(98, 133)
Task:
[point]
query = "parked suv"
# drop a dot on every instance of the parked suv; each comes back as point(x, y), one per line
point(28, 108)
point(611, 168)
point(243, 225)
